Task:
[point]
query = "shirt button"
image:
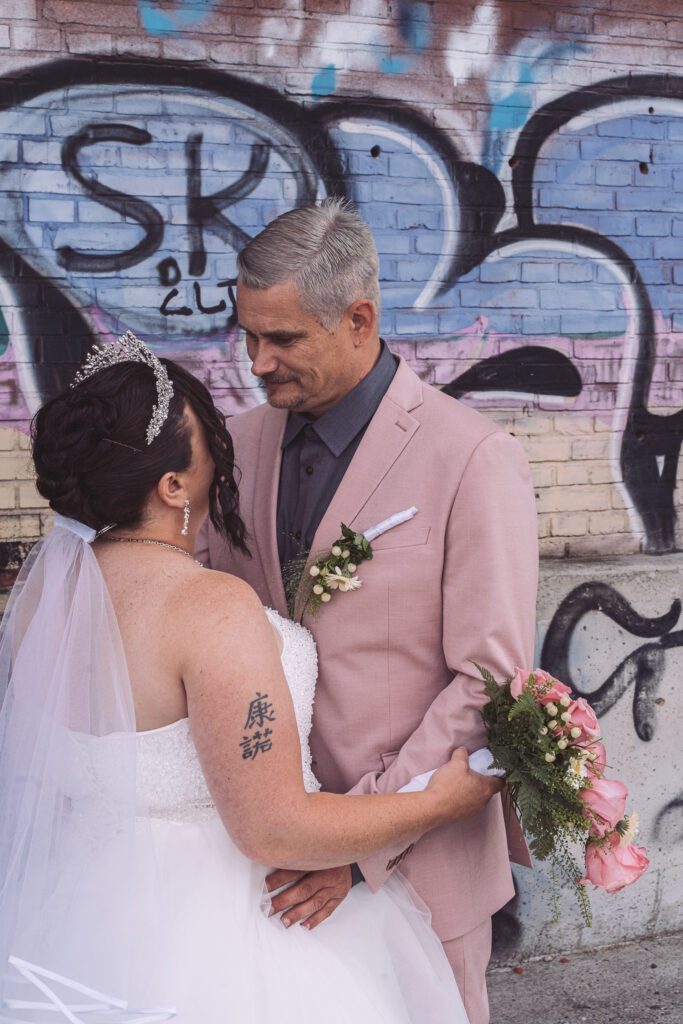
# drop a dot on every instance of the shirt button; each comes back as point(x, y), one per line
point(309, 470)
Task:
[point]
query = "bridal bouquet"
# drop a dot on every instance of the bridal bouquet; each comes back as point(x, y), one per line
point(548, 744)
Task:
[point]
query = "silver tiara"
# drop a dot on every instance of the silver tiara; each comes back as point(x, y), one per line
point(129, 349)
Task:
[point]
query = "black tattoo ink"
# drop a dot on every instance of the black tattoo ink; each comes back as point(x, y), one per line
point(258, 743)
point(258, 740)
point(260, 711)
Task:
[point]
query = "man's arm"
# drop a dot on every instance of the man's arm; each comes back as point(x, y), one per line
point(489, 583)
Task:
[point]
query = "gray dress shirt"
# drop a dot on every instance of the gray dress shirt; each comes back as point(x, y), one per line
point(316, 454)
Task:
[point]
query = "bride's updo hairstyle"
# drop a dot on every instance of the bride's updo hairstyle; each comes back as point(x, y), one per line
point(92, 459)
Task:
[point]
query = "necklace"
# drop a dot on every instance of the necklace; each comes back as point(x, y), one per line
point(156, 543)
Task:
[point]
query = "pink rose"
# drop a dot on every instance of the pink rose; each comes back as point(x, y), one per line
point(613, 866)
point(555, 692)
point(605, 801)
point(583, 716)
point(518, 682)
point(598, 766)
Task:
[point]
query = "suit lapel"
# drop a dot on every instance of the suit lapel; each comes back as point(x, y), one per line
point(267, 479)
point(388, 433)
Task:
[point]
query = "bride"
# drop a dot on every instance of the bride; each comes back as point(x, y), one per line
point(154, 756)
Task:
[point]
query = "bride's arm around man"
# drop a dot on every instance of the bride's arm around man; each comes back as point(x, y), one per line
point(350, 434)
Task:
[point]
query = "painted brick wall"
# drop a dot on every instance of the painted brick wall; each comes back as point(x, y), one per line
point(521, 165)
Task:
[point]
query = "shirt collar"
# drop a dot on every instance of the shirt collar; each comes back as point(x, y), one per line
point(337, 427)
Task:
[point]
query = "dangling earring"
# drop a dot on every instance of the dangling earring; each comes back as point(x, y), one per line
point(186, 518)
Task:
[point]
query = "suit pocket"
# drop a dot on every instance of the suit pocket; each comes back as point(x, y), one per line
point(401, 537)
point(388, 759)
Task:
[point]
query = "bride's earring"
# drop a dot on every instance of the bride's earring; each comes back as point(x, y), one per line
point(186, 518)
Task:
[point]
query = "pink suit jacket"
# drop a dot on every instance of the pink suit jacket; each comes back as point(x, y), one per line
point(397, 691)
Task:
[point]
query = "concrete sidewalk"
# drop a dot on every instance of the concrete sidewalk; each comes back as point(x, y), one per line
point(634, 983)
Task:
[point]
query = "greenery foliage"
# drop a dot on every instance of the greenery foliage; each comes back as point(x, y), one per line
point(542, 791)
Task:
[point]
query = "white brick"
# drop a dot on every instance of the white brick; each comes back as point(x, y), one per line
point(585, 473)
point(29, 497)
point(543, 474)
point(8, 440)
point(574, 499)
point(16, 466)
point(88, 42)
point(19, 527)
point(26, 37)
point(19, 9)
point(613, 522)
point(594, 449)
point(554, 547)
point(568, 524)
point(547, 451)
point(589, 546)
point(8, 496)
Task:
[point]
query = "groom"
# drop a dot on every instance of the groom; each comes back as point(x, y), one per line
point(350, 434)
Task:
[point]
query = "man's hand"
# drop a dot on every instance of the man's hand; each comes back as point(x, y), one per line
point(311, 896)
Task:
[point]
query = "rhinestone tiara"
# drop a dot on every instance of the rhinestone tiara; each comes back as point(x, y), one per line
point(129, 349)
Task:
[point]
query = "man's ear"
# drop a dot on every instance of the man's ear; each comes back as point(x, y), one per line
point(363, 319)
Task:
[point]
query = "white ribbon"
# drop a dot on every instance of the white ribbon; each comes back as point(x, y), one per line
point(86, 533)
point(390, 523)
point(480, 762)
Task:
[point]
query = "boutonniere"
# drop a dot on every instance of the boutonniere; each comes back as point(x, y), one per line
point(334, 571)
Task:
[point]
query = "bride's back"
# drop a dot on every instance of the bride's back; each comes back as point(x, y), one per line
point(149, 587)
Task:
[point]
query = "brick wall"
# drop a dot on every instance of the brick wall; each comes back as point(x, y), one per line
point(521, 166)
point(520, 163)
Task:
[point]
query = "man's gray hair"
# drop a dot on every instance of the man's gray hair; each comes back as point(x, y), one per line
point(327, 251)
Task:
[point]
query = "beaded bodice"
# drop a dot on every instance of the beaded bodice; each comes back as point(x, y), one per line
point(170, 781)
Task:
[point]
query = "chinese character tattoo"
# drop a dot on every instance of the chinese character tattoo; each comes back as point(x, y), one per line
point(258, 738)
point(258, 743)
point(260, 712)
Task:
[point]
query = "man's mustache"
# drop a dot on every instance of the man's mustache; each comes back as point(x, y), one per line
point(274, 378)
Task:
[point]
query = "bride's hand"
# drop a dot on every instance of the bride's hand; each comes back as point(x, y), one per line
point(460, 792)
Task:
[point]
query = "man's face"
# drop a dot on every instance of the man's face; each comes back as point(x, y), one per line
point(302, 365)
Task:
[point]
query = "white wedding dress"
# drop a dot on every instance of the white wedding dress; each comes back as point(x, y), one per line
point(206, 941)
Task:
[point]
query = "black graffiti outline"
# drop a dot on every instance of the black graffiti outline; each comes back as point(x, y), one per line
point(146, 215)
point(643, 669)
point(207, 210)
point(675, 805)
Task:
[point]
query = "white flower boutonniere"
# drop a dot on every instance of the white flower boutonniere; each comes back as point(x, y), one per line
point(335, 570)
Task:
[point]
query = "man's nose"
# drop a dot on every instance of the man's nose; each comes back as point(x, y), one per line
point(263, 359)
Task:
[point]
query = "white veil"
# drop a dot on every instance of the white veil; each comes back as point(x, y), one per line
point(74, 850)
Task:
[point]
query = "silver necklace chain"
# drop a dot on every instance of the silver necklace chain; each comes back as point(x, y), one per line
point(156, 543)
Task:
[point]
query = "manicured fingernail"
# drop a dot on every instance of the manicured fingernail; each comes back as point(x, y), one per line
point(307, 927)
point(271, 911)
point(286, 922)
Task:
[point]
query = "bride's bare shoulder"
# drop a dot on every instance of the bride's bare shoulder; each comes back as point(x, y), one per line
point(218, 618)
point(211, 597)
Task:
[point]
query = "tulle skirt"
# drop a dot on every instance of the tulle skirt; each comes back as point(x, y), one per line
point(209, 949)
